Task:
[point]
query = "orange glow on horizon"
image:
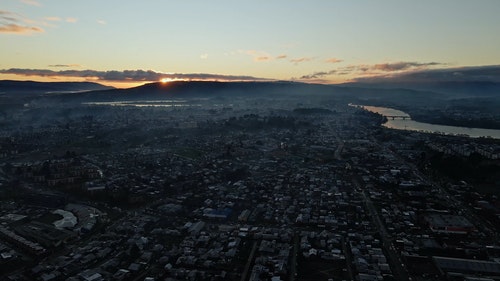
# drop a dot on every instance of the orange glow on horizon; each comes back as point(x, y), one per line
point(131, 84)
point(116, 84)
point(167, 80)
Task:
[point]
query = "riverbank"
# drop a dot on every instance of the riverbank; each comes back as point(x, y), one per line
point(436, 118)
point(397, 119)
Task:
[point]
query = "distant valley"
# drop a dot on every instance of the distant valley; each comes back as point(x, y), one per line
point(470, 104)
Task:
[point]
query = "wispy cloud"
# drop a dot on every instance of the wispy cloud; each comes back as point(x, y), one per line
point(333, 60)
point(262, 58)
point(372, 70)
point(12, 23)
point(300, 60)
point(64, 65)
point(489, 73)
point(319, 74)
point(19, 29)
point(385, 68)
point(31, 2)
point(7, 16)
point(58, 19)
point(103, 22)
point(127, 75)
point(258, 56)
point(398, 66)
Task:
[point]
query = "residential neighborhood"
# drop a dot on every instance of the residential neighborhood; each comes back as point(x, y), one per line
point(240, 192)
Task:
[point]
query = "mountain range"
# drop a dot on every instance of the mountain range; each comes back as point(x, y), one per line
point(384, 94)
point(433, 102)
point(12, 87)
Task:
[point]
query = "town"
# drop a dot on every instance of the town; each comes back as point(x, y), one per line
point(252, 189)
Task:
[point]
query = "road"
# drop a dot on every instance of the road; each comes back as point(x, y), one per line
point(397, 266)
point(348, 258)
point(293, 262)
point(339, 149)
point(249, 261)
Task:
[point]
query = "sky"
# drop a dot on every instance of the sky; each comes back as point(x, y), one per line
point(126, 43)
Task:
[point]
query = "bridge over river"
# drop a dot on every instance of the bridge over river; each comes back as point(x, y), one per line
point(400, 120)
point(404, 117)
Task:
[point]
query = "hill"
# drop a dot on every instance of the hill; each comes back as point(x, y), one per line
point(454, 89)
point(283, 89)
point(11, 87)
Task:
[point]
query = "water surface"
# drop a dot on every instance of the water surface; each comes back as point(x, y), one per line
point(411, 125)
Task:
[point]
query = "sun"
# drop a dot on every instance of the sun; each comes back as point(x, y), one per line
point(165, 80)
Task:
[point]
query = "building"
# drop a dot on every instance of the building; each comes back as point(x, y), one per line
point(446, 265)
point(451, 224)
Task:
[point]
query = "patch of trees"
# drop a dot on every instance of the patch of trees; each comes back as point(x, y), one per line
point(466, 121)
point(473, 168)
point(313, 110)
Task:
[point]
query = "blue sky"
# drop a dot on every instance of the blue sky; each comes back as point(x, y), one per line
point(327, 41)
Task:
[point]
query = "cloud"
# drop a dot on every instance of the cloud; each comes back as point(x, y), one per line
point(103, 22)
point(489, 73)
point(385, 68)
point(8, 16)
point(58, 19)
point(398, 66)
point(68, 19)
point(362, 71)
point(262, 58)
point(13, 23)
point(258, 56)
point(299, 60)
point(19, 29)
point(64, 65)
point(31, 2)
point(318, 74)
point(333, 60)
point(127, 75)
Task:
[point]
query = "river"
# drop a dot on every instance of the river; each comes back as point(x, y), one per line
point(410, 125)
